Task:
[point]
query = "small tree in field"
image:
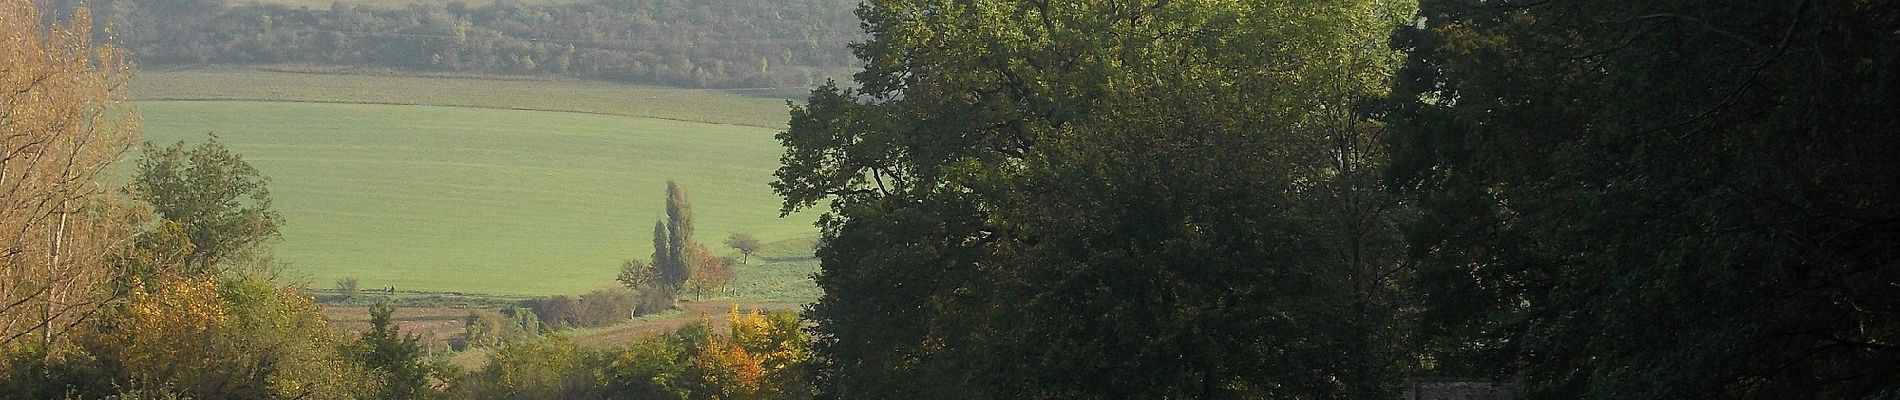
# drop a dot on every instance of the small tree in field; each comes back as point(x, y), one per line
point(710, 273)
point(650, 294)
point(637, 275)
point(346, 286)
point(745, 244)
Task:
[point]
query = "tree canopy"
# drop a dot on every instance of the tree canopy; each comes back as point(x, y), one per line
point(1215, 199)
point(1035, 200)
point(221, 201)
point(1656, 199)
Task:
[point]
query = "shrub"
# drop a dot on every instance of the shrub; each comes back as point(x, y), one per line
point(346, 287)
point(652, 300)
point(558, 312)
point(493, 328)
point(607, 306)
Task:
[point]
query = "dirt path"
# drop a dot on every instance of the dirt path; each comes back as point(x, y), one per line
point(713, 311)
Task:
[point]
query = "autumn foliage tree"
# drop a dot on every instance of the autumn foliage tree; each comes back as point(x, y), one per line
point(710, 273)
point(762, 357)
point(62, 122)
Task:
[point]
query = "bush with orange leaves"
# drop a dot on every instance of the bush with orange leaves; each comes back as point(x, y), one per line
point(764, 356)
point(218, 337)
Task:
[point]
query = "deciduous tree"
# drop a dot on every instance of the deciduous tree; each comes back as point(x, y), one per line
point(222, 201)
point(1162, 200)
point(745, 244)
point(62, 123)
point(1656, 199)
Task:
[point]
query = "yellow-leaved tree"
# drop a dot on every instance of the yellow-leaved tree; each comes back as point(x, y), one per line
point(763, 357)
point(62, 122)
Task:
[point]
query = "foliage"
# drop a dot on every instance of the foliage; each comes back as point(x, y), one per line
point(549, 367)
point(763, 356)
point(203, 337)
point(607, 307)
point(61, 126)
point(649, 368)
point(745, 244)
point(1080, 200)
point(679, 263)
point(127, 307)
point(638, 275)
point(648, 295)
point(710, 272)
point(222, 202)
point(724, 43)
point(491, 329)
point(673, 251)
point(396, 358)
point(643, 279)
point(558, 312)
point(1657, 199)
point(346, 286)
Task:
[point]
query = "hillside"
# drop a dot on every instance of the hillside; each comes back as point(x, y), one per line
point(787, 44)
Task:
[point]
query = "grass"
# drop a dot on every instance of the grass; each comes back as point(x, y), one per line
point(781, 272)
point(452, 199)
point(702, 105)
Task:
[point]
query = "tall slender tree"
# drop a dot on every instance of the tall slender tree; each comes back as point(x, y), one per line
point(673, 240)
point(663, 258)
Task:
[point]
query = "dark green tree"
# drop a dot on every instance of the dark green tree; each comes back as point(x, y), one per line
point(679, 234)
point(222, 202)
point(1095, 200)
point(397, 358)
point(665, 262)
point(1656, 199)
point(673, 241)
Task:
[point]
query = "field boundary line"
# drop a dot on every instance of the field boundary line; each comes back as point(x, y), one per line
point(390, 103)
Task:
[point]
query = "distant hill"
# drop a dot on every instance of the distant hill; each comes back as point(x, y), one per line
point(705, 44)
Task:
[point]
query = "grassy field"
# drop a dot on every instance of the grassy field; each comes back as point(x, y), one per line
point(477, 200)
point(228, 83)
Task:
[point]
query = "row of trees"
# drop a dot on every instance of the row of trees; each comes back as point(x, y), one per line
point(1242, 199)
point(726, 43)
point(763, 356)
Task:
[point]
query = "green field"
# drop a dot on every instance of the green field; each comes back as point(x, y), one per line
point(487, 200)
point(703, 105)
